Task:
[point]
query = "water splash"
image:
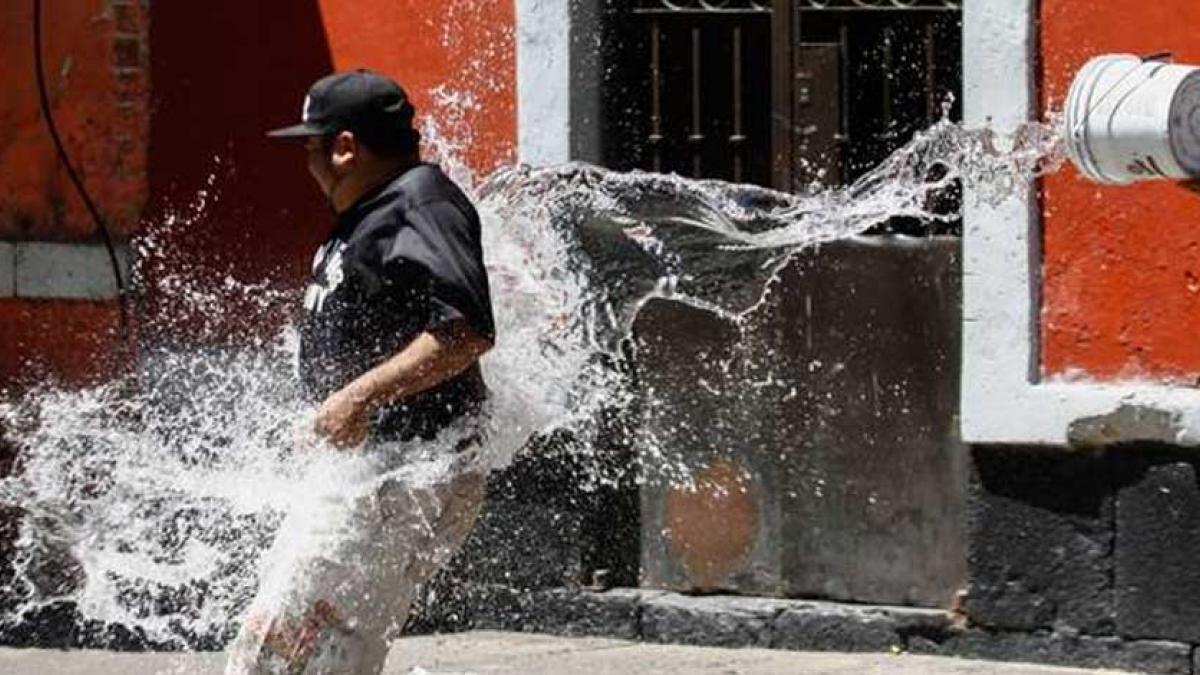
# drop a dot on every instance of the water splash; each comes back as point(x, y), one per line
point(148, 501)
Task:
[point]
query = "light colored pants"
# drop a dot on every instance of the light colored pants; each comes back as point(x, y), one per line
point(342, 575)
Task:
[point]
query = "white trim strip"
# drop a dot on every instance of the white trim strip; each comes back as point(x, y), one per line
point(53, 270)
point(8, 269)
point(1002, 399)
point(543, 81)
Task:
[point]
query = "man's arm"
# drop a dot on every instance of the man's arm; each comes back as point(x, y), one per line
point(430, 359)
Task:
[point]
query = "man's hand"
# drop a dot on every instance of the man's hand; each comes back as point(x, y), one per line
point(344, 419)
point(430, 359)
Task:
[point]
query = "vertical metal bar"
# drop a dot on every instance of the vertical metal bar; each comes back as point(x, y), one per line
point(844, 74)
point(931, 103)
point(737, 140)
point(782, 69)
point(888, 38)
point(656, 136)
point(697, 136)
point(798, 71)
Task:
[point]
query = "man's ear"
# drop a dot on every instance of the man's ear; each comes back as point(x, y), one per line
point(345, 149)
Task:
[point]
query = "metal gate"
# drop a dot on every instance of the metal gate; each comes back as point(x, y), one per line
point(779, 92)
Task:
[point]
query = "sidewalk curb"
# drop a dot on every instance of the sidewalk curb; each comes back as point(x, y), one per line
point(800, 625)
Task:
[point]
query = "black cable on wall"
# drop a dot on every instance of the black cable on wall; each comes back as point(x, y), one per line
point(101, 226)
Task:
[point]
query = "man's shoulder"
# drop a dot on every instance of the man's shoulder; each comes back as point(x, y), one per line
point(421, 197)
point(402, 193)
point(426, 183)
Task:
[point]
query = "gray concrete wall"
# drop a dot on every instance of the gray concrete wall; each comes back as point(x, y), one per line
point(839, 473)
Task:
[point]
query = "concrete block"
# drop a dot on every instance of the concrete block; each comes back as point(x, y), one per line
point(710, 507)
point(8, 269)
point(713, 621)
point(574, 613)
point(67, 271)
point(1144, 656)
point(814, 629)
point(1157, 549)
point(839, 475)
point(1041, 541)
point(854, 628)
point(868, 335)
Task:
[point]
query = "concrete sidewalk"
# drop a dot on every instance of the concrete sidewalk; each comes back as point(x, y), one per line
point(491, 653)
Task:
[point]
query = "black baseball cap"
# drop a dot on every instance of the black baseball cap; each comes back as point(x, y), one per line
point(357, 100)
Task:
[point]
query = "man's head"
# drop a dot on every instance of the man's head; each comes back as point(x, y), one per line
point(357, 128)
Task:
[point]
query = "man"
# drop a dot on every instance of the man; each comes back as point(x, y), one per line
point(396, 318)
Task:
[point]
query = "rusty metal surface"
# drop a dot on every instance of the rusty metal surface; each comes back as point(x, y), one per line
point(843, 474)
point(817, 127)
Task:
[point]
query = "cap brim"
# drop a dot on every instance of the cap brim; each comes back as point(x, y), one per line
point(297, 131)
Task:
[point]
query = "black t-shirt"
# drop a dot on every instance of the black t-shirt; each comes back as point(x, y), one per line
point(405, 258)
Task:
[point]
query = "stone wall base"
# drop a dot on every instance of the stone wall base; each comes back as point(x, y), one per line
point(736, 621)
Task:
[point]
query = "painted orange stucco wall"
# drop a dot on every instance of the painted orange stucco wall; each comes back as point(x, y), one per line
point(95, 67)
point(1121, 287)
point(456, 59)
point(68, 342)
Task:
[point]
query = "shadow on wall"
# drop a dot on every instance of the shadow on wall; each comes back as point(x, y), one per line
point(223, 72)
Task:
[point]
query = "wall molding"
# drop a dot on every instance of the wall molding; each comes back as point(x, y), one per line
point(1003, 397)
point(543, 81)
point(560, 70)
point(59, 271)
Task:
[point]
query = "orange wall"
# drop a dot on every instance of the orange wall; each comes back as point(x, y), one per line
point(70, 341)
point(1121, 264)
point(94, 64)
point(465, 47)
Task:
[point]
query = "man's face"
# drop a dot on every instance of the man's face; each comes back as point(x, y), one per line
point(320, 161)
point(332, 159)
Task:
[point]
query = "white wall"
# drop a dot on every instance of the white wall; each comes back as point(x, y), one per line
point(543, 81)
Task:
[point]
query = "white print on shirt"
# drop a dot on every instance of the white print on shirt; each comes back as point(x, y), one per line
point(329, 280)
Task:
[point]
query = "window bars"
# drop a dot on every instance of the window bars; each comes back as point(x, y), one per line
point(786, 92)
point(743, 6)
